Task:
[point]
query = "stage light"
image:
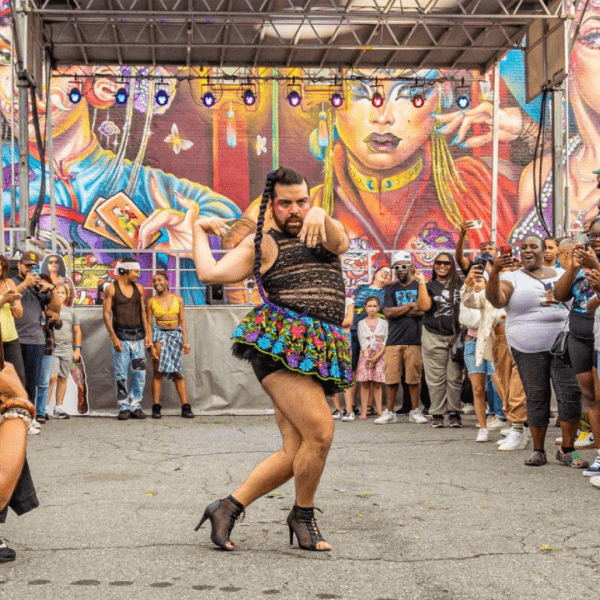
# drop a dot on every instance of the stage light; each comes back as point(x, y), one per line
point(208, 99)
point(121, 96)
point(75, 95)
point(377, 100)
point(161, 98)
point(418, 101)
point(336, 99)
point(294, 98)
point(249, 97)
point(463, 101)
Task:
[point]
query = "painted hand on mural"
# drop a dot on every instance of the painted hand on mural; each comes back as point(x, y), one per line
point(177, 224)
point(510, 125)
point(214, 225)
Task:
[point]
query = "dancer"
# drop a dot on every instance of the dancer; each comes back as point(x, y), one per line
point(170, 343)
point(294, 342)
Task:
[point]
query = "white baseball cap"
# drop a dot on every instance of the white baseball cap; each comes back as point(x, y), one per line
point(401, 256)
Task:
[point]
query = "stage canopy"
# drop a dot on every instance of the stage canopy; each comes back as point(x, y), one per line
point(333, 34)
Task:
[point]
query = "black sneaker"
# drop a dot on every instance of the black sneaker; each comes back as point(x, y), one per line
point(186, 411)
point(402, 411)
point(137, 414)
point(124, 415)
point(454, 420)
point(6, 554)
point(437, 421)
point(156, 411)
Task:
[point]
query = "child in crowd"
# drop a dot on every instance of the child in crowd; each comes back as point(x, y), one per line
point(372, 335)
point(67, 347)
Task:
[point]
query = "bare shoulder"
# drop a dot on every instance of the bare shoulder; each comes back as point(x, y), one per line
point(140, 288)
point(110, 290)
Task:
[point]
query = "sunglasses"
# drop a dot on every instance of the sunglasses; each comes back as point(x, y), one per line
point(53, 262)
point(593, 236)
point(441, 263)
point(401, 267)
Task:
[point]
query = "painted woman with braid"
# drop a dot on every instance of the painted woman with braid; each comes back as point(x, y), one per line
point(294, 342)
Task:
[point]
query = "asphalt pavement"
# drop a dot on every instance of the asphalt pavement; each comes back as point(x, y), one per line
point(411, 512)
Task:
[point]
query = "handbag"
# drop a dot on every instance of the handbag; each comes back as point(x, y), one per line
point(560, 347)
point(457, 353)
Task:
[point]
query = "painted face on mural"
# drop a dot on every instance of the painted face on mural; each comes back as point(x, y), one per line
point(386, 137)
point(585, 59)
point(290, 205)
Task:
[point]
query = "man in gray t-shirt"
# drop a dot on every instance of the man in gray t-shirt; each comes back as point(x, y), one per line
point(36, 296)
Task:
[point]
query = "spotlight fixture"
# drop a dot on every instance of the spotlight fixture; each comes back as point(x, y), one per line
point(161, 98)
point(377, 100)
point(121, 96)
point(209, 99)
point(249, 97)
point(418, 101)
point(337, 100)
point(294, 98)
point(75, 95)
point(463, 101)
point(463, 95)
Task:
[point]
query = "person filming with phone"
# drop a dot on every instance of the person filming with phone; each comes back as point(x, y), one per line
point(534, 321)
point(36, 296)
point(488, 247)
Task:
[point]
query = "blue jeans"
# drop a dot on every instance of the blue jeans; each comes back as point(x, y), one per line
point(41, 395)
point(493, 399)
point(487, 366)
point(134, 356)
point(32, 359)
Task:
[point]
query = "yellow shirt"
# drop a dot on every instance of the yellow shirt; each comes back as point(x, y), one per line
point(7, 323)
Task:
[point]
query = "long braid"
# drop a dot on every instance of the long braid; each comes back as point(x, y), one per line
point(266, 196)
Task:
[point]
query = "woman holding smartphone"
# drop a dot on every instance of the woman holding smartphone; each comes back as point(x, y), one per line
point(534, 320)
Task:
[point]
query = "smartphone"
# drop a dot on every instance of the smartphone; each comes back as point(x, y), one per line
point(35, 270)
point(476, 224)
point(506, 250)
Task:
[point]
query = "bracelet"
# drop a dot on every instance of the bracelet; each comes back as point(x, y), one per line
point(77, 347)
point(17, 403)
point(421, 281)
point(17, 413)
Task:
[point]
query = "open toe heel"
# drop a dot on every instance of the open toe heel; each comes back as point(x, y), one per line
point(303, 523)
point(222, 515)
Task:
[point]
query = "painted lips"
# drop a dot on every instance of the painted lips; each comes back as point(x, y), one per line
point(384, 143)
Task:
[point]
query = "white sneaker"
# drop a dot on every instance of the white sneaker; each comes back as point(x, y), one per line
point(348, 416)
point(35, 424)
point(59, 413)
point(416, 416)
point(515, 441)
point(495, 423)
point(595, 481)
point(482, 435)
point(506, 432)
point(585, 439)
point(386, 417)
point(336, 415)
point(33, 431)
point(468, 409)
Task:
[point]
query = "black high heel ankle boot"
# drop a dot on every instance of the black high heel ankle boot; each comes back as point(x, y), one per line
point(222, 514)
point(302, 522)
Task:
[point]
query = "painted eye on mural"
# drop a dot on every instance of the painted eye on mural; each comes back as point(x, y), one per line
point(360, 90)
point(403, 92)
point(5, 57)
point(590, 39)
point(441, 239)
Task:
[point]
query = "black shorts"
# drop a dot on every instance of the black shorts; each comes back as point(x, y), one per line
point(355, 349)
point(581, 353)
point(263, 365)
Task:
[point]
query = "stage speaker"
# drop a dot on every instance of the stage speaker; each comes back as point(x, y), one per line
point(215, 294)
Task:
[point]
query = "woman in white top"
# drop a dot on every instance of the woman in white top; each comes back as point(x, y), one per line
point(534, 320)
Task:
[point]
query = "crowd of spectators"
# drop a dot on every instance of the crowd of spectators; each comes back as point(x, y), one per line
point(502, 335)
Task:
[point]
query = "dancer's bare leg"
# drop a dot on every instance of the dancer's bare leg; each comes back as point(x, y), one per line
point(306, 425)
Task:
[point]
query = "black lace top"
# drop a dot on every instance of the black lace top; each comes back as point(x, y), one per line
point(306, 279)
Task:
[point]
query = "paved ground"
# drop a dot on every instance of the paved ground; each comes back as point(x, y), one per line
point(411, 512)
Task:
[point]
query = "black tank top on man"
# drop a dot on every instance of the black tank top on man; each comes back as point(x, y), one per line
point(306, 280)
point(127, 315)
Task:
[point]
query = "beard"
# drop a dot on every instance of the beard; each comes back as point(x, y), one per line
point(284, 225)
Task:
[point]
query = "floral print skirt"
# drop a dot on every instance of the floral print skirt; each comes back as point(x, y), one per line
point(299, 343)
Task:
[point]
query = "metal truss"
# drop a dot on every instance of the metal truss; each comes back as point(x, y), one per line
point(335, 34)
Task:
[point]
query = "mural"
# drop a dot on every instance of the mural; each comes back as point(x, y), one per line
point(131, 179)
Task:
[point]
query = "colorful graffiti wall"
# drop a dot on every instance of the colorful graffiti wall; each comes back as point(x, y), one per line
point(136, 176)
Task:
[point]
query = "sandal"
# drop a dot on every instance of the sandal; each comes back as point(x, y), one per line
point(537, 459)
point(571, 459)
point(371, 412)
point(301, 521)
